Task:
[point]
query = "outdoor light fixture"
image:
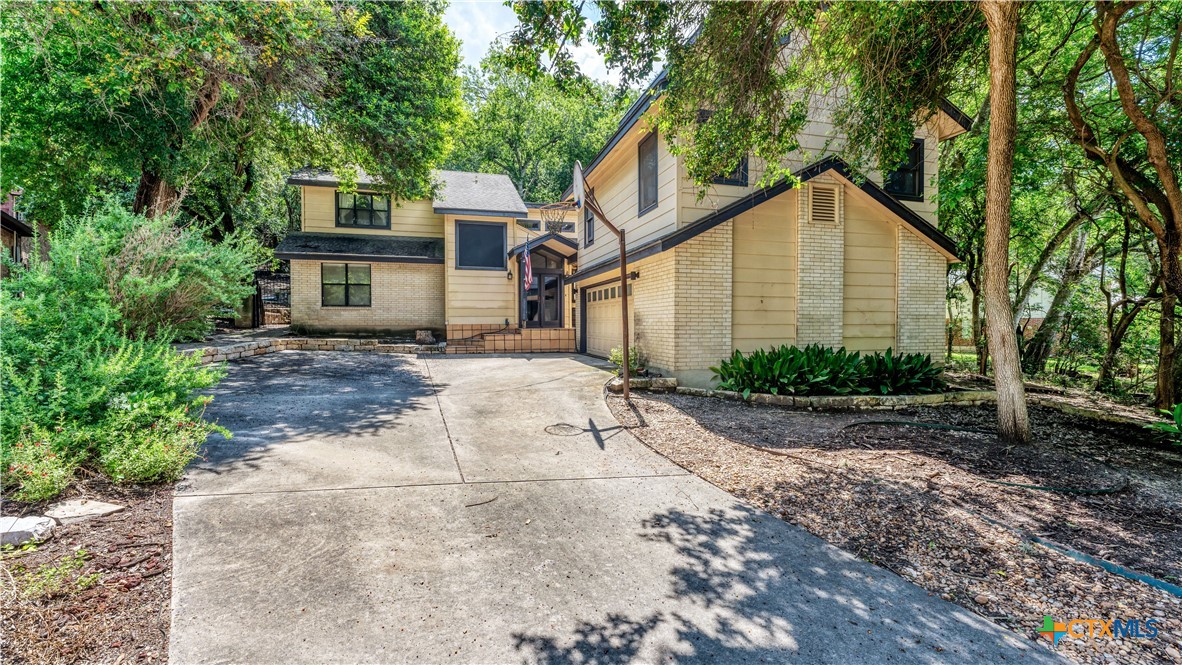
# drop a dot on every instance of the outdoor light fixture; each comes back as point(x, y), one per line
point(509, 274)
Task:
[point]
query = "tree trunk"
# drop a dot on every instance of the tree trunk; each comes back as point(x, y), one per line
point(1116, 339)
point(154, 196)
point(979, 342)
point(1013, 423)
point(1043, 342)
point(1164, 396)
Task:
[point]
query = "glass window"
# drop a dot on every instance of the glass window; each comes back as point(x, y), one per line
point(647, 179)
point(738, 177)
point(362, 210)
point(344, 285)
point(530, 224)
point(480, 246)
point(906, 181)
point(588, 226)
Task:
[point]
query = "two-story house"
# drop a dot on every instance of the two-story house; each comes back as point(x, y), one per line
point(841, 260)
point(363, 263)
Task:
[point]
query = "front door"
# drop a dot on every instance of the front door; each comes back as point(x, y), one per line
point(541, 303)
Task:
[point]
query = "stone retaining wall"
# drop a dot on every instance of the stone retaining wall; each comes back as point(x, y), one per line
point(884, 402)
point(217, 354)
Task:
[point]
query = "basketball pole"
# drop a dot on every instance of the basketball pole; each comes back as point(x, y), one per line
point(626, 365)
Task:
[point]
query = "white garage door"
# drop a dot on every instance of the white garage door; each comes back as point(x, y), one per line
point(603, 320)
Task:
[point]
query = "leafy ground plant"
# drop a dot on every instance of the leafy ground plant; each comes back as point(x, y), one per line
point(1172, 428)
point(819, 370)
point(65, 578)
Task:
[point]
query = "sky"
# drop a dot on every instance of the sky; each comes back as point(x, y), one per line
point(478, 23)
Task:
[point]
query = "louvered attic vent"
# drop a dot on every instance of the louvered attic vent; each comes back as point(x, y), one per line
point(823, 205)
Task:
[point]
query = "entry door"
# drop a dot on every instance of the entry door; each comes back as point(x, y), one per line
point(542, 301)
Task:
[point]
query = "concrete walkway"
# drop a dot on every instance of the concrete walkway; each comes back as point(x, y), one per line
point(380, 508)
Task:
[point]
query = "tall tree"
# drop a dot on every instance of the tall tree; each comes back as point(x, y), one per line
point(530, 129)
point(159, 97)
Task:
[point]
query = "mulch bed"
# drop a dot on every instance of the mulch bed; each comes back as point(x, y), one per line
point(114, 607)
point(919, 502)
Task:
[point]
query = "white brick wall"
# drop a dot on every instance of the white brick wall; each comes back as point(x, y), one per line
point(703, 309)
point(922, 280)
point(820, 280)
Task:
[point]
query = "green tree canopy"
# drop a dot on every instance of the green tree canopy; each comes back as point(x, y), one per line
point(164, 98)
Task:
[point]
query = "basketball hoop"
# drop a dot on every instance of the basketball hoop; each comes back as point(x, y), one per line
point(554, 214)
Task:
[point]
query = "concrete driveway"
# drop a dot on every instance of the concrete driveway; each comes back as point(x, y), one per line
point(376, 508)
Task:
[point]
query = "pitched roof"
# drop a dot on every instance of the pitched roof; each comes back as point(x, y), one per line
point(759, 196)
point(554, 242)
point(372, 248)
point(457, 192)
point(484, 193)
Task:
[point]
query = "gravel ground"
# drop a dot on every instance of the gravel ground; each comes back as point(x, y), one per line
point(917, 501)
point(112, 605)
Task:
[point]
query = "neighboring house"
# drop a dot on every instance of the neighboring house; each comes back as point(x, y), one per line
point(453, 265)
point(843, 260)
point(16, 234)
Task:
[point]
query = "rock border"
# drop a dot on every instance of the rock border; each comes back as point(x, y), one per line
point(209, 355)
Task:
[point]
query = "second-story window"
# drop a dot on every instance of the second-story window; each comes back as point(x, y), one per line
point(647, 178)
point(737, 177)
point(588, 226)
point(906, 181)
point(363, 210)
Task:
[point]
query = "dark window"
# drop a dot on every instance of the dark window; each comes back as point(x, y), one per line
point(530, 224)
point(647, 180)
point(480, 245)
point(344, 285)
point(906, 181)
point(365, 211)
point(588, 225)
point(738, 177)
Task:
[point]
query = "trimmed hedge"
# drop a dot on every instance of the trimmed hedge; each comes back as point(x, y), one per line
point(821, 370)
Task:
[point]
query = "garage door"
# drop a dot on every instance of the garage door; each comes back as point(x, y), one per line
point(603, 320)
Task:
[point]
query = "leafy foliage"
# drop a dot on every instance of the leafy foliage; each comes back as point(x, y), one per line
point(635, 363)
point(175, 99)
point(821, 370)
point(1173, 428)
point(81, 384)
point(531, 130)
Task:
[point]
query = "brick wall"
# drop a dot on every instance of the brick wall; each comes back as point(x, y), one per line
point(922, 286)
point(404, 297)
point(703, 299)
point(652, 304)
point(820, 280)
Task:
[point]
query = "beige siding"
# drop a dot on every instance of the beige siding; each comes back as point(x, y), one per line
point(407, 218)
point(764, 275)
point(869, 299)
point(480, 296)
point(404, 296)
point(615, 182)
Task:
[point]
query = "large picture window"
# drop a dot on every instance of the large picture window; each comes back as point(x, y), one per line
point(906, 181)
point(363, 211)
point(344, 285)
point(480, 246)
point(647, 179)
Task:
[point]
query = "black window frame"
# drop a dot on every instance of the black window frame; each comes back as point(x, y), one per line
point(336, 202)
point(916, 151)
point(346, 283)
point(530, 224)
point(588, 223)
point(644, 144)
point(740, 175)
point(504, 253)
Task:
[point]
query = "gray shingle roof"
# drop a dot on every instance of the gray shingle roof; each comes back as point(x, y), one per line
point(379, 249)
point(457, 191)
point(460, 191)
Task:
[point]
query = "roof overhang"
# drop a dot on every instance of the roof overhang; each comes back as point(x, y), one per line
point(560, 245)
point(951, 121)
point(11, 223)
point(368, 248)
point(479, 213)
point(900, 212)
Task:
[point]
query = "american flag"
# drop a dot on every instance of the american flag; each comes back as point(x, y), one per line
point(527, 277)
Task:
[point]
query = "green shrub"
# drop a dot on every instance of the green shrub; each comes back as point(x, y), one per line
point(616, 357)
point(818, 370)
point(1172, 429)
point(79, 388)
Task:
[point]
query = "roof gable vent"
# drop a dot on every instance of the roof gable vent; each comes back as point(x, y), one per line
point(823, 205)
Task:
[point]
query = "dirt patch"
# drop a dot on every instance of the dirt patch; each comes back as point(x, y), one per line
point(98, 590)
point(919, 501)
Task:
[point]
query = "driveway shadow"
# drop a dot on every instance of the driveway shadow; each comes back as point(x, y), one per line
point(752, 598)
